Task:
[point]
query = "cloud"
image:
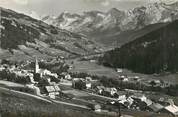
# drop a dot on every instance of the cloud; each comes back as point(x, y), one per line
point(21, 2)
point(105, 3)
point(169, 1)
point(34, 15)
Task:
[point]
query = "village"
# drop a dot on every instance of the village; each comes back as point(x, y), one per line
point(86, 91)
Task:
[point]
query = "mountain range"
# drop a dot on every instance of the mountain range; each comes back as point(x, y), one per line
point(109, 28)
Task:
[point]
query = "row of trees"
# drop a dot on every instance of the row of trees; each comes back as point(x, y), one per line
point(109, 82)
point(6, 75)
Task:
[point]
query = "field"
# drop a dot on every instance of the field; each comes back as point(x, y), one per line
point(93, 68)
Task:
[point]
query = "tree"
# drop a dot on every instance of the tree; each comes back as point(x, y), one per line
point(80, 85)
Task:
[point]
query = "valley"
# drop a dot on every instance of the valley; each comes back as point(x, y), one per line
point(117, 63)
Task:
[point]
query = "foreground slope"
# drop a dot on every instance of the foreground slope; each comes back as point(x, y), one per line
point(18, 105)
point(154, 52)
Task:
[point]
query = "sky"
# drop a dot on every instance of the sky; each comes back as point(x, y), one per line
point(56, 7)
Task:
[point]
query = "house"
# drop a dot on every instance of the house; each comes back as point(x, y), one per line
point(119, 70)
point(124, 78)
point(113, 91)
point(136, 78)
point(95, 107)
point(88, 81)
point(121, 95)
point(164, 101)
point(109, 91)
point(2, 68)
point(100, 89)
point(88, 85)
point(52, 91)
point(148, 102)
point(155, 83)
point(130, 101)
point(35, 88)
point(44, 72)
point(155, 107)
point(171, 109)
point(139, 96)
point(78, 83)
point(140, 102)
point(32, 79)
point(68, 77)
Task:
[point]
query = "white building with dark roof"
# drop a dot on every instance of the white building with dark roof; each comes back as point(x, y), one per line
point(52, 91)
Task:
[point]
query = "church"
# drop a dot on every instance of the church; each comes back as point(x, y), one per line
point(42, 72)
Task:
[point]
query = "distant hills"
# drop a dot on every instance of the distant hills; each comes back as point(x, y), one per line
point(155, 52)
point(23, 37)
point(113, 28)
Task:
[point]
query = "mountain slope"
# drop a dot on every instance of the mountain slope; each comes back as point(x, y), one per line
point(22, 35)
point(105, 26)
point(154, 52)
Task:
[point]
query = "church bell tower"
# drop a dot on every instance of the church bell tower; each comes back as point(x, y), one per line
point(37, 68)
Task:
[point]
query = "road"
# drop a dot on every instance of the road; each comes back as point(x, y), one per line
point(46, 100)
point(104, 97)
point(70, 104)
point(26, 94)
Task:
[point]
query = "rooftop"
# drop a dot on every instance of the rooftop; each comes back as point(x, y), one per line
point(173, 109)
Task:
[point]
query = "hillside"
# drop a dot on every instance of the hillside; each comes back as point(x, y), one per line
point(19, 105)
point(154, 52)
point(23, 37)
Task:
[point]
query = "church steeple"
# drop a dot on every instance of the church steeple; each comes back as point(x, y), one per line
point(37, 68)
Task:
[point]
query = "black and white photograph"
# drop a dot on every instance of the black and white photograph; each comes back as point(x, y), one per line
point(88, 58)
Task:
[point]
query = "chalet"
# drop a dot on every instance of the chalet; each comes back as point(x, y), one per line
point(119, 70)
point(136, 78)
point(88, 85)
point(155, 83)
point(124, 78)
point(171, 109)
point(66, 76)
point(109, 91)
point(2, 68)
point(95, 107)
point(130, 101)
point(121, 95)
point(35, 88)
point(139, 96)
point(148, 102)
point(52, 91)
point(100, 89)
point(88, 81)
point(164, 101)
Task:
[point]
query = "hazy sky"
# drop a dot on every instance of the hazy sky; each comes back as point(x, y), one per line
point(55, 7)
